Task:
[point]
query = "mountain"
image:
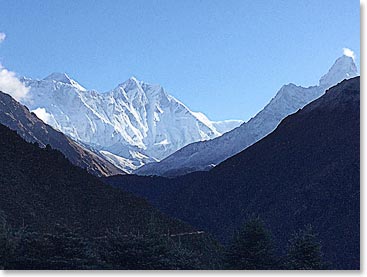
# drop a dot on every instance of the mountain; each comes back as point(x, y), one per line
point(131, 125)
point(290, 98)
point(18, 118)
point(65, 79)
point(40, 188)
point(305, 172)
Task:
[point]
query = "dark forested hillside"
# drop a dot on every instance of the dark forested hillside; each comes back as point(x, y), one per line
point(54, 215)
point(305, 172)
point(40, 187)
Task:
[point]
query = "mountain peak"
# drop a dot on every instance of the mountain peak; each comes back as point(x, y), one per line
point(63, 78)
point(343, 68)
point(130, 83)
point(133, 84)
point(58, 76)
point(133, 79)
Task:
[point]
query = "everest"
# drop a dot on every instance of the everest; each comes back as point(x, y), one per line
point(134, 124)
point(289, 99)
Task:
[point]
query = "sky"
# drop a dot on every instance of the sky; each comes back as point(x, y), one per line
point(226, 59)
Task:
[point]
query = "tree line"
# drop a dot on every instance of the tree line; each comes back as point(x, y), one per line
point(251, 248)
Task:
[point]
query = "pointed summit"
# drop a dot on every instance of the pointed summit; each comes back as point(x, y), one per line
point(59, 77)
point(133, 85)
point(63, 78)
point(133, 79)
point(343, 68)
point(130, 84)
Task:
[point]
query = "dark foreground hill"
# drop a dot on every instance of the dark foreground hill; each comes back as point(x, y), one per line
point(40, 187)
point(305, 172)
point(54, 215)
point(18, 118)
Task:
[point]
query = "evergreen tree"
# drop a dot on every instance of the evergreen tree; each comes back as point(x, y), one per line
point(181, 257)
point(132, 251)
point(3, 240)
point(9, 241)
point(304, 251)
point(61, 249)
point(251, 248)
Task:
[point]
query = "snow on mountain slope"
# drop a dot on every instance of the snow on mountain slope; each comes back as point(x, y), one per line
point(131, 125)
point(226, 125)
point(221, 126)
point(290, 98)
point(343, 68)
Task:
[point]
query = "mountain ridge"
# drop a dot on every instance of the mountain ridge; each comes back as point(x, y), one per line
point(18, 118)
point(204, 155)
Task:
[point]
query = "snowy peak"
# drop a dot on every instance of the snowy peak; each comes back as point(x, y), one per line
point(343, 68)
point(59, 77)
point(130, 83)
point(132, 86)
point(131, 125)
point(63, 78)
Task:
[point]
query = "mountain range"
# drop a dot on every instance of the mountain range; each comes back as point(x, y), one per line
point(134, 124)
point(295, 163)
point(140, 128)
point(203, 155)
point(305, 172)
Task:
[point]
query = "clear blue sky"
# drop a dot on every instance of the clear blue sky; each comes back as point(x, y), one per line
point(225, 58)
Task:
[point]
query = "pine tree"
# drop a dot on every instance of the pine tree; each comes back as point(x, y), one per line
point(132, 251)
point(304, 251)
point(9, 241)
point(3, 240)
point(60, 249)
point(251, 248)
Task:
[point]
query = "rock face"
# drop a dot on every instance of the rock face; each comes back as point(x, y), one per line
point(134, 124)
point(18, 118)
point(305, 172)
point(290, 98)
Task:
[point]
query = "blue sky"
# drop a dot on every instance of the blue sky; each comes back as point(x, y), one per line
point(224, 58)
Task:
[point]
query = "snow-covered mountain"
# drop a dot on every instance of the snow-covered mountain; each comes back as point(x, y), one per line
point(290, 98)
point(131, 125)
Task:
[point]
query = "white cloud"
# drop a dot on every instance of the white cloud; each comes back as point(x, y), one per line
point(349, 53)
point(42, 114)
point(11, 85)
point(2, 37)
